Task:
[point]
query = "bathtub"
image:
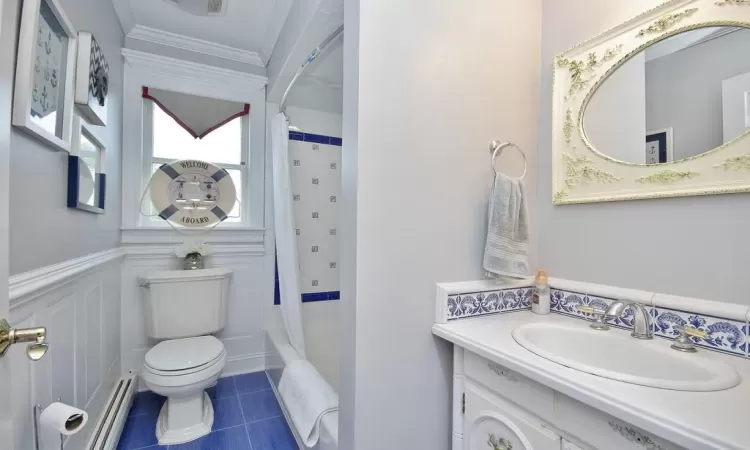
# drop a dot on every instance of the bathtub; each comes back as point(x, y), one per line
point(279, 353)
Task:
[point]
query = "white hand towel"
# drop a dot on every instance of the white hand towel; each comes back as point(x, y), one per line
point(307, 397)
point(506, 252)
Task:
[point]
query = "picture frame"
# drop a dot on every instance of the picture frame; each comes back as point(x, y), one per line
point(659, 146)
point(92, 80)
point(45, 74)
point(87, 179)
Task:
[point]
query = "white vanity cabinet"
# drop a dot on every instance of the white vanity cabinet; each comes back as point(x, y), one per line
point(494, 424)
point(498, 409)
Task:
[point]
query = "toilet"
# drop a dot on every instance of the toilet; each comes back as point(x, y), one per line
point(183, 308)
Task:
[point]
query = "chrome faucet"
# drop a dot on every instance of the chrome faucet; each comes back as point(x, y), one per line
point(642, 321)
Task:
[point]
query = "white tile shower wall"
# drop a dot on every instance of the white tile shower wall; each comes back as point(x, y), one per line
point(81, 312)
point(316, 184)
point(316, 187)
point(250, 299)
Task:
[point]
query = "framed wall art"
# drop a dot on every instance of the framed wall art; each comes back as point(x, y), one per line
point(86, 169)
point(43, 96)
point(92, 80)
point(659, 146)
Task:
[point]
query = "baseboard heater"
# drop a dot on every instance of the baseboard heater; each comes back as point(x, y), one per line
point(110, 425)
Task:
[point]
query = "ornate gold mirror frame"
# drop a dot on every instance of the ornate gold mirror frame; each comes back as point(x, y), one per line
point(582, 174)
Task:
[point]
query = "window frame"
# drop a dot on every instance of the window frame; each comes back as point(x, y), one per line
point(149, 160)
point(159, 72)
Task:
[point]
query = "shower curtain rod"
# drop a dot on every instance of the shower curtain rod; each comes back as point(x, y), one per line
point(315, 53)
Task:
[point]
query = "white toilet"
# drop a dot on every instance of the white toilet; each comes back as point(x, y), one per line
point(183, 308)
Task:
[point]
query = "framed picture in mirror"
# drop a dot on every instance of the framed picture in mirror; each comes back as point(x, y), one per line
point(679, 74)
point(45, 72)
point(87, 180)
point(659, 146)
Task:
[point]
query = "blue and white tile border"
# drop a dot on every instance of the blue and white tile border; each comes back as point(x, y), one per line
point(481, 298)
point(727, 324)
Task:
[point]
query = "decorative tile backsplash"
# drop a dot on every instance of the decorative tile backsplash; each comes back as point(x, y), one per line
point(315, 163)
point(490, 302)
point(725, 334)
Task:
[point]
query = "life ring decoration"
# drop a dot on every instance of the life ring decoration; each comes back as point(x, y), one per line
point(192, 193)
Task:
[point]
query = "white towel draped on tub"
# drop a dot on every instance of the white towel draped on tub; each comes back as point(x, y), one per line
point(307, 397)
point(506, 252)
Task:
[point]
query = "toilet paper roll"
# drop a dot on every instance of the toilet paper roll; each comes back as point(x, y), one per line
point(64, 419)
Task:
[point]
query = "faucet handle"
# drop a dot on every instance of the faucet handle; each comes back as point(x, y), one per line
point(690, 331)
point(599, 314)
point(683, 343)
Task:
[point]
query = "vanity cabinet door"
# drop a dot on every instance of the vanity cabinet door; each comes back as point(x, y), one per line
point(491, 423)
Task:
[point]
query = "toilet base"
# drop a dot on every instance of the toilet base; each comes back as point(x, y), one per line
point(190, 419)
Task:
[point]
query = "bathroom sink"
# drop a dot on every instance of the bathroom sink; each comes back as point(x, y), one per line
point(614, 354)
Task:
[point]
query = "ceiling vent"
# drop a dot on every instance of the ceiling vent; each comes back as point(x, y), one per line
point(202, 7)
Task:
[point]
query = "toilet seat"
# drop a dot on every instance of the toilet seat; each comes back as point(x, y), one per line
point(176, 355)
point(177, 373)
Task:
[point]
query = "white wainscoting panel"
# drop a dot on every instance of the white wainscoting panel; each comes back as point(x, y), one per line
point(251, 295)
point(79, 303)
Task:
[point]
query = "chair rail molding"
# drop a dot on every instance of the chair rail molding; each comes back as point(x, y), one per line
point(161, 37)
point(27, 286)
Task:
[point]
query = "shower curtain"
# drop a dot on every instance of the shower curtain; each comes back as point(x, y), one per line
point(286, 246)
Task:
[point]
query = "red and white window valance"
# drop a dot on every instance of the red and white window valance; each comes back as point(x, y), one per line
point(199, 116)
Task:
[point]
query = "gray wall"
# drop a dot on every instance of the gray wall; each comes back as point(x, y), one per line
point(43, 230)
point(683, 91)
point(694, 246)
point(425, 90)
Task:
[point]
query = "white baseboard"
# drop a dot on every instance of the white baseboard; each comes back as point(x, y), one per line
point(238, 365)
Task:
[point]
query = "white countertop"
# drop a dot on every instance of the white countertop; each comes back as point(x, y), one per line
point(695, 420)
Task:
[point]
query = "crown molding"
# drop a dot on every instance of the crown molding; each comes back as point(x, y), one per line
point(180, 67)
point(155, 36)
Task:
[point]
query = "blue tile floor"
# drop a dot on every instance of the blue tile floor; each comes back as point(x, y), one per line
point(246, 417)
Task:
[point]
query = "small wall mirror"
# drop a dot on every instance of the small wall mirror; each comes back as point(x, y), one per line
point(681, 97)
point(656, 107)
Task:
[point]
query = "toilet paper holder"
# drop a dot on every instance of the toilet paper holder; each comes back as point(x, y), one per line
point(37, 412)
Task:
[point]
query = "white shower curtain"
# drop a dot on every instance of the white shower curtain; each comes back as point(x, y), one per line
point(286, 245)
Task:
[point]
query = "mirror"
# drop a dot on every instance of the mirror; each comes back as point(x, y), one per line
point(680, 97)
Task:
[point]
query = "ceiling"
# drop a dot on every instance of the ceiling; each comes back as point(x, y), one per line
point(321, 86)
point(248, 32)
point(248, 25)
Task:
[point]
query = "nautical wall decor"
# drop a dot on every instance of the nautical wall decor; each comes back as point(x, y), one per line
point(192, 194)
point(92, 80)
point(87, 181)
point(43, 95)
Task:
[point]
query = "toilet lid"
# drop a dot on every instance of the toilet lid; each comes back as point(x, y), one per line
point(182, 354)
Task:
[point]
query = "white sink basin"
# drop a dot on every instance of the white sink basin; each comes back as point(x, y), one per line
point(614, 354)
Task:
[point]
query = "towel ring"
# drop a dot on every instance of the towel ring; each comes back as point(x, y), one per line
point(497, 146)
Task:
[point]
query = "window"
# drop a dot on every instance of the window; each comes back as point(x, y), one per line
point(166, 141)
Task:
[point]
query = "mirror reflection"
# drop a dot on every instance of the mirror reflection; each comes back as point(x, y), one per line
point(681, 97)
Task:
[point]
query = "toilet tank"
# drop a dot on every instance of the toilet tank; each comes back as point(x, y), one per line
point(185, 303)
